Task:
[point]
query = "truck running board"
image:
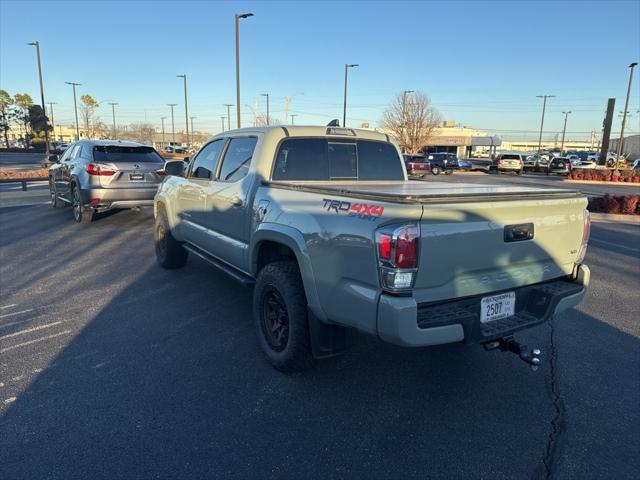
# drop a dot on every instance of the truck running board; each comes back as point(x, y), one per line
point(234, 273)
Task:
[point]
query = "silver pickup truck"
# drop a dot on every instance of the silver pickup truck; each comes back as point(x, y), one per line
point(324, 224)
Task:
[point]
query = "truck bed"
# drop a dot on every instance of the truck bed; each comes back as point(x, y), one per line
point(414, 191)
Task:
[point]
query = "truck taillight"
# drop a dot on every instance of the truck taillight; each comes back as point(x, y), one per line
point(398, 256)
point(586, 232)
point(94, 169)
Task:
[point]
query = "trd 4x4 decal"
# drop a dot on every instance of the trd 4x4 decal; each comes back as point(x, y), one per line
point(366, 211)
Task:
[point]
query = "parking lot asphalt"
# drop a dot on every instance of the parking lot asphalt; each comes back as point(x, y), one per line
point(111, 367)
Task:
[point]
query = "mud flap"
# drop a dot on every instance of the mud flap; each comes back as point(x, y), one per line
point(327, 340)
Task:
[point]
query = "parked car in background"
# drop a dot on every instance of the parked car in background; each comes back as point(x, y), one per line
point(442, 162)
point(416, 165)
point(98, 175)
point(509, 162)
point(573, 158)
point(585, 164)
point(175, 149)
point(559, 166)
point(636, 164)
point(465, 165)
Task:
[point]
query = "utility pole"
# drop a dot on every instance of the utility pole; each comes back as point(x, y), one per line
point(238, 17)
point(564, 129)
point(44, 108)
point(286, 104)
point(222, 118)
point(544, 107)
point(186, 106)
point(266, 95)
point(606, 134)
point(347, 66)
point(228, 105)
point(113, 116)
point(293, 116)
point(75, 107)
point(53, 126)
point(192, 128)
point(173, 125)
point(624, 116)
point(162, 119)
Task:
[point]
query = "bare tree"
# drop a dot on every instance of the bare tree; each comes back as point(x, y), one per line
point(413, 122)
point(140, 132)
point(88, 107)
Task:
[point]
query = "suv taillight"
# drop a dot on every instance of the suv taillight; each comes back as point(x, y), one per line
point(586, 232)
point(397, 248)
point(95, 169)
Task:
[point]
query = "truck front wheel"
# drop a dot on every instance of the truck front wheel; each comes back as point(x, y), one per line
point(280, 313)
point(169, 251)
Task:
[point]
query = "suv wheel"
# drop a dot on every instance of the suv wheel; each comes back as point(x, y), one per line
point(169, 251)
point(55, 201)
point(435, 170)
point(80, 214)
point(280, 313)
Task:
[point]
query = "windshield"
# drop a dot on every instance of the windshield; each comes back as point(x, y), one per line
point(116, 153)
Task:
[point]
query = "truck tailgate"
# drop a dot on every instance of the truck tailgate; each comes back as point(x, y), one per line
point(466, 248)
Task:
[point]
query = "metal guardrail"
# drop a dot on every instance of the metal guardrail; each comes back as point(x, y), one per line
point(23, 181)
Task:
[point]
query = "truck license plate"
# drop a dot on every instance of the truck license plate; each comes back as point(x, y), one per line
point(497, 307)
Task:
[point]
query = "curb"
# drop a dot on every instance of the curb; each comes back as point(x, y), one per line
point(615, 218)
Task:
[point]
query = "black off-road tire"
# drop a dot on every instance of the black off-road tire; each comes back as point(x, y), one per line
point(280, 282)
point(169, 252)
point(80, 214)
point(55, 201)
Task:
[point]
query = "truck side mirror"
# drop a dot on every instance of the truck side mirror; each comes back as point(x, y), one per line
point(175, 168)
point(186, 159)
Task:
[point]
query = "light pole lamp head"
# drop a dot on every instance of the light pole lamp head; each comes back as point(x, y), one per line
point(633, 64)
point(349, 65)
point(36, 43)
point(244, 15)
point(264, 94)
point(182, 76)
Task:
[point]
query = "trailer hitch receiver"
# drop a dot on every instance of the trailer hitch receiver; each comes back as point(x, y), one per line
point(509, 344)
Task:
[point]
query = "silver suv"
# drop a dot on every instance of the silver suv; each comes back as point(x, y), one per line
point(98, 175)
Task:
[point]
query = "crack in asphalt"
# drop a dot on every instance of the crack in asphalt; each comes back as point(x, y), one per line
point(558, 422)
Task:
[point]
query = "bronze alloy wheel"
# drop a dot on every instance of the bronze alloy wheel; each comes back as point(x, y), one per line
point(275, 319)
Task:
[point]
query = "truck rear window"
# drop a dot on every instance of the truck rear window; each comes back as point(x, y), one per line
point(333, 159)
point(116, 153)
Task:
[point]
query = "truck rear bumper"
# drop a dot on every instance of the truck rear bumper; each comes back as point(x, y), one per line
point(403, 322)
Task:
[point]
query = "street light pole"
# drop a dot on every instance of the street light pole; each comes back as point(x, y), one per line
point(266, 95)
point(173, 124)
point(44, 110)
point(53, 126)
point(293, 115)
point(186, 106)
point(192, 128)
point(347, 66)
point(113, 116)
point(544, 107)
point(624, 115)
point(564, 129)
point(75, 107)
point(162, 119)
point(238, 17)
point(228, 105)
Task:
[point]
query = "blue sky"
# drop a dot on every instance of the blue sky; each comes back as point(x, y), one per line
point(481, 63)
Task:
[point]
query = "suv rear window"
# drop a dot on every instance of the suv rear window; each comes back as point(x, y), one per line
point(333, 159)
point(510, 157)
point(117, 153)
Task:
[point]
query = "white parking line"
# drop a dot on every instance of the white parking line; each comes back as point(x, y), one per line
point(12, 347)
point(34, 329)
point(16, 313)
point(8, 306)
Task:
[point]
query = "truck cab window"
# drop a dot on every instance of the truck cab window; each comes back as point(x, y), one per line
point(237, 159)
point(206, 162)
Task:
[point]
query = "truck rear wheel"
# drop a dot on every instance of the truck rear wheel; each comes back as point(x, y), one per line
point(169, 251)
point(280, 314)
